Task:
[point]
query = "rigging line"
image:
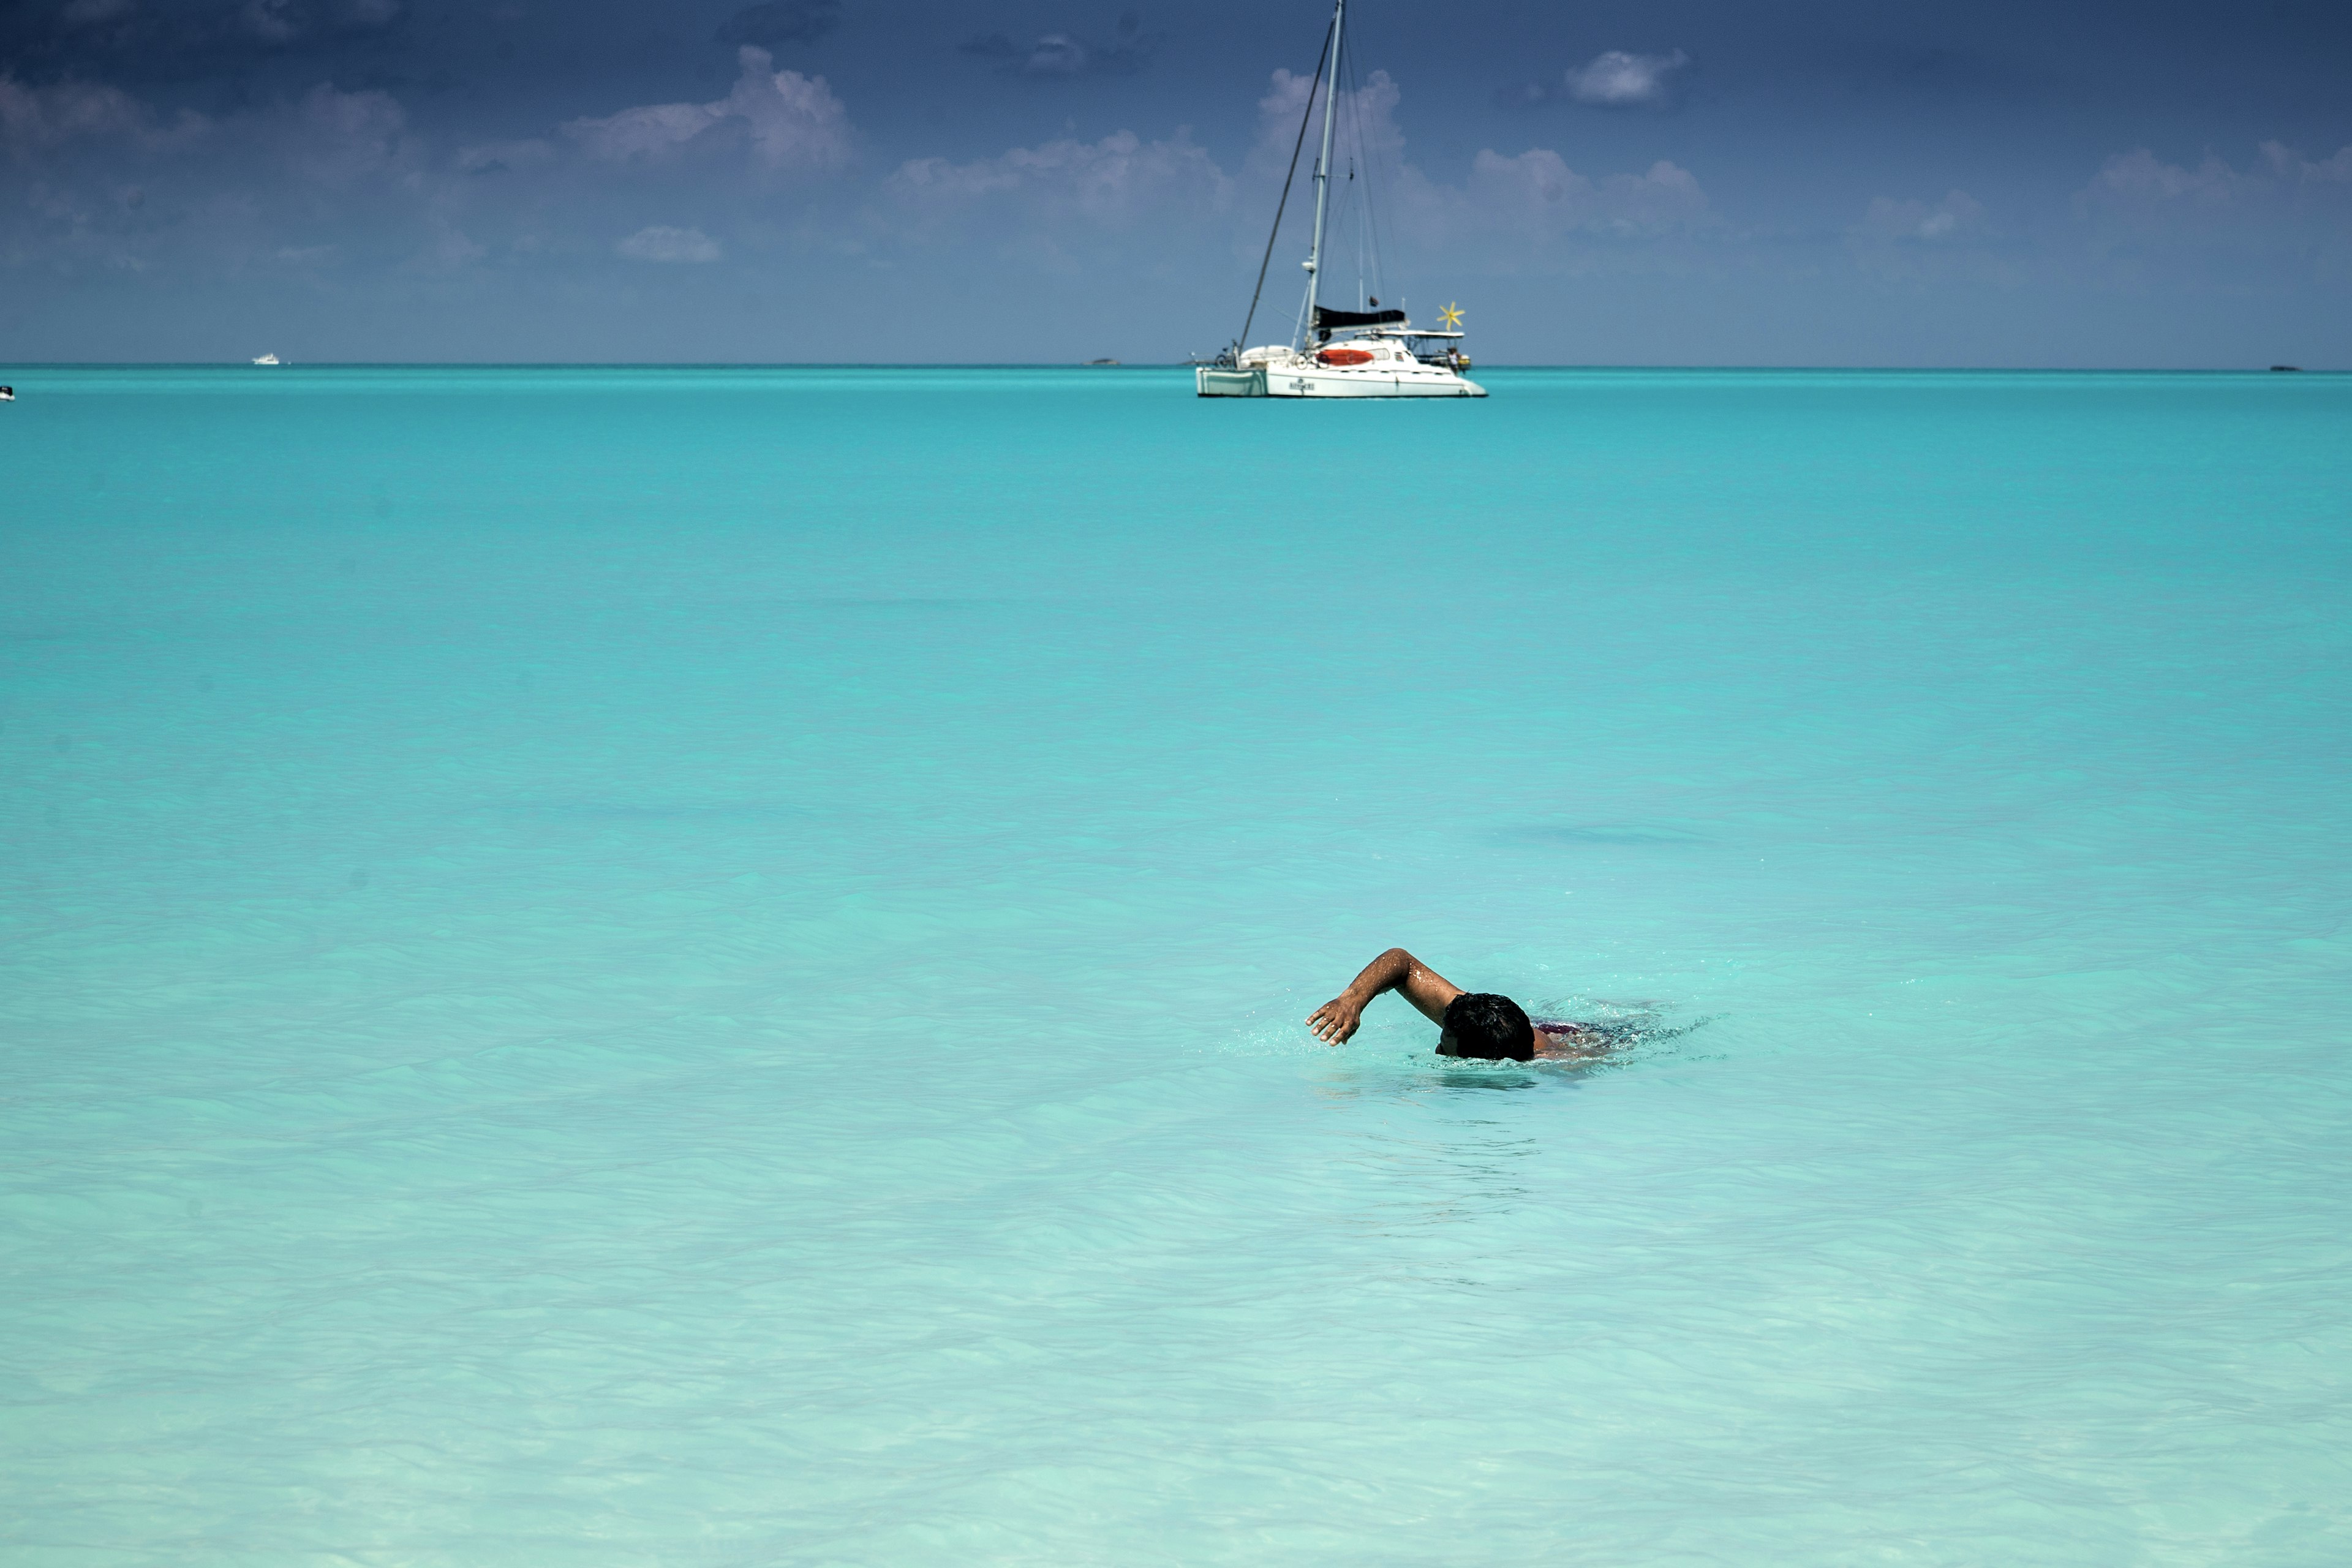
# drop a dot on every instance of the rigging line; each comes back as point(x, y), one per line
point(1375, 169)
point(1357, 198)
point(1243, 341)
point(1368, 230)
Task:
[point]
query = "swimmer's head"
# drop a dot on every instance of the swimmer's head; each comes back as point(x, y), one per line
point(1481, 1024)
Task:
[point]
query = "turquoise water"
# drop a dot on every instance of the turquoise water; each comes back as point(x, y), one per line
point(619, 967)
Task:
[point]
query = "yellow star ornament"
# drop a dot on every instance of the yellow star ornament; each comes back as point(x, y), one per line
point(1451, 317)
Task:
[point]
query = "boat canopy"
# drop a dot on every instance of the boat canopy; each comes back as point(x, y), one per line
point(1327, 321)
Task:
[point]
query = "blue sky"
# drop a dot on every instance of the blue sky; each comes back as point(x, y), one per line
point(1704, 181)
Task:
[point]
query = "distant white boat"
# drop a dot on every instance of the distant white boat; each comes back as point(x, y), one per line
point(266, 359)
point(7, 395)
point(1378, 353)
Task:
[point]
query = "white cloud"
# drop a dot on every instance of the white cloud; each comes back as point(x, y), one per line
point(662, 243)
point(1281, 109)
point(642, 132)
point(795, 121)
point(2139, 177)
point(453, 247)
point(93, 12)
point(1538, 192)
point(792, 121)
point(1956, 215)
point(1064, 54)
point(281, 22)
point(1371, 108)
point(1113, 180)
point(1532, 194)
point(340, 136)
point(38, 117)
point(1618, 79)
point(267, 20)
point(2282, 217)
point(490, 157)
point(1912, 241)
point(2287, 164)
point(1508, 211)
point(1057, 54)
point(2139, 190)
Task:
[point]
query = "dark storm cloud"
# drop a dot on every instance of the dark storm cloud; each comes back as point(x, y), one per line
point(782, 21)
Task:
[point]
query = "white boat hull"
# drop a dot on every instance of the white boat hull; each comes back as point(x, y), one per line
point(1317, 381)
point(1213, 381)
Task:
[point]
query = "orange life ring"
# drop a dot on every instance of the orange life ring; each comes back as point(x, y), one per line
point(1345, 356)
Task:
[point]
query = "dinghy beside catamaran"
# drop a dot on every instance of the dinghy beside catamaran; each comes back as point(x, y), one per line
point(1336, 354)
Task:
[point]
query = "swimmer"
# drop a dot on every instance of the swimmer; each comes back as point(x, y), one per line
point(1470, 1023)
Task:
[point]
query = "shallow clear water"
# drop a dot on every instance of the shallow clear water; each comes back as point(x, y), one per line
point(704, 966)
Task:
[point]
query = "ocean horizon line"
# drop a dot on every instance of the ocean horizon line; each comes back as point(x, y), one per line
point(1484, 365)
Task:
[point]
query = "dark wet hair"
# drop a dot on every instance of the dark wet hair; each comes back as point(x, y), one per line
point(1481, 1024)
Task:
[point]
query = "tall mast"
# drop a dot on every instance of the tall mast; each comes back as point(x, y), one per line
point(1323, 175)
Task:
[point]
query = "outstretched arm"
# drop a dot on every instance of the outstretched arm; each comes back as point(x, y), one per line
point(1395, 970)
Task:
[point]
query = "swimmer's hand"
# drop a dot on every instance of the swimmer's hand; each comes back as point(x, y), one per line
point(1395, 970)
point(1337, 1019)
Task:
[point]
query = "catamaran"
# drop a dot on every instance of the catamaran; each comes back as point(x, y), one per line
point(1336, 354)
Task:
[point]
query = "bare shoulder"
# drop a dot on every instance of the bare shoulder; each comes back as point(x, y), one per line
point(1569, 1042)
